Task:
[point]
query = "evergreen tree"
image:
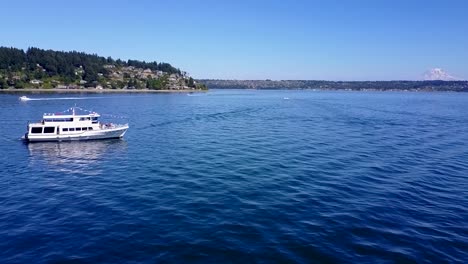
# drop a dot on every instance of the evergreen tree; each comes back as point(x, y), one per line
point(3, 84)
point(19, 84)
point(191, 83)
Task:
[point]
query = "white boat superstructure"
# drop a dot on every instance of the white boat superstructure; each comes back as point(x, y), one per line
point(72, 126)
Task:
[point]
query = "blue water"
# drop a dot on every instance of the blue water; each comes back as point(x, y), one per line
point(243, 177)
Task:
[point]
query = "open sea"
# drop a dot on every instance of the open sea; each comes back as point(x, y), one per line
point(240, 176)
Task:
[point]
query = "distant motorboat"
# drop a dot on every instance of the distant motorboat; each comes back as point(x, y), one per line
point(24, 98)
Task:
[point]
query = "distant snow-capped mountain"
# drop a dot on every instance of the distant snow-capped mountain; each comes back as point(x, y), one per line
point(438, 74)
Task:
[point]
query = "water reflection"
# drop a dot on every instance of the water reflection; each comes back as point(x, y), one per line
point(83, 157)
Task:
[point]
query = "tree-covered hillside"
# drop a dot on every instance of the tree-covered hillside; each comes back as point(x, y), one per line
point(47, 69)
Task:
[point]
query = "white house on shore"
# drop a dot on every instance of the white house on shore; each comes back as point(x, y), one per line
point(36, 82)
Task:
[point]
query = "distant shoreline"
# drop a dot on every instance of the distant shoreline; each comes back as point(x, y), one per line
point(417, 86)
point(38, 90)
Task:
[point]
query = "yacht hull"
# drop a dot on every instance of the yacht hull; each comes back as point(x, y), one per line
point(85, 135)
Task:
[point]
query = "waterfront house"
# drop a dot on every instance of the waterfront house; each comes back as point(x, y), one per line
point(36, 82)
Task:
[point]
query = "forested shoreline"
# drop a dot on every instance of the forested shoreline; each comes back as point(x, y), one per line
point(39, 68)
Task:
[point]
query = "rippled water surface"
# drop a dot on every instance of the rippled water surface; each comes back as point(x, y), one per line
point(241, 176)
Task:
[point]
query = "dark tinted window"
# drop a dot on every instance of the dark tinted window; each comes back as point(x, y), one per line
point(72, 129)
point(58, 119)
point(36, 130)
point(65, 129)
point(49, 129)
point(78, 129)
point(90, 128)
point(84, 128)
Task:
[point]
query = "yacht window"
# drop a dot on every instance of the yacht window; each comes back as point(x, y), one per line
point(49, 129)
point(72, 129)
point(90, 128)
point(78, 129)
point(58, 119)
point(95, 120)
point(84, 128)
point(65, 129)
point(36, 130)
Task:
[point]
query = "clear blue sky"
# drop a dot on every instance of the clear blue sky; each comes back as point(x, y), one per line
point(332, 40)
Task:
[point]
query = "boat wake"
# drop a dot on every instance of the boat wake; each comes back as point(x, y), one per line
point(25, 98)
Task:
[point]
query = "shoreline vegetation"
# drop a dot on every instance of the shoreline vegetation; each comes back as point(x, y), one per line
point(413, 86)
point(72, 70)
point(54, 90)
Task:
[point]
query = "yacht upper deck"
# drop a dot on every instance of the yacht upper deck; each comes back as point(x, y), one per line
point(70, 115)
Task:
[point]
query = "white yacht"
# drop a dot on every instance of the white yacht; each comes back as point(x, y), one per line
point(72, 126)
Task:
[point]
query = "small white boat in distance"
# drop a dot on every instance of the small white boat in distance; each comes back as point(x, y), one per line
point(71, 126)
point(24, 98)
